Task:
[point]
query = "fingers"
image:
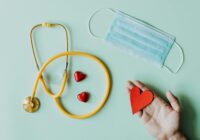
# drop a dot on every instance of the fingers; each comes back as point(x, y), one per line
point(129, 86)
point(140, 85)
point(139, 113)
point(173, 101)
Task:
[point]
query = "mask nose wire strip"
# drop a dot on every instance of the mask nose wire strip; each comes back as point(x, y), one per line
point(49, 25)
point(57, 98)
point(65, 76)
point(90, 21)
point(181, 62)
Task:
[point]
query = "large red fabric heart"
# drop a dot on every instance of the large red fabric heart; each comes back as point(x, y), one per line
point(79, 76)
point(140, 100)
point(83, 96)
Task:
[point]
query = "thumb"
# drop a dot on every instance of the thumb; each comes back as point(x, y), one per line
point(173, 101)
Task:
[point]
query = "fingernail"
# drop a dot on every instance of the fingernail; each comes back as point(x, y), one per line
point(170, 91)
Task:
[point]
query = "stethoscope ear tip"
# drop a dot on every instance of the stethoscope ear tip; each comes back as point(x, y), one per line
point(31, 104)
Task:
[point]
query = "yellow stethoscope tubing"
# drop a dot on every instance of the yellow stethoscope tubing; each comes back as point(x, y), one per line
point(62, 87)
point(50, 25)
point(57, 96)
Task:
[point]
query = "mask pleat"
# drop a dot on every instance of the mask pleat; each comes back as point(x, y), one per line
point(139, 38)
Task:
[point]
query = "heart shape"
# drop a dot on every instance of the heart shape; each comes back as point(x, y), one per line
point(79, 76)
point(140, 100)
point(83, 96)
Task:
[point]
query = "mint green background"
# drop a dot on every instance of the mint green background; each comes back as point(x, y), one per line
point(114, 121)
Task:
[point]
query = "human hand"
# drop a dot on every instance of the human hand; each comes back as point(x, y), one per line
point(160, 118)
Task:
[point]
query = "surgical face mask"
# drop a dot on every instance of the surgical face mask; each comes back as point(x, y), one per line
point(139, 38)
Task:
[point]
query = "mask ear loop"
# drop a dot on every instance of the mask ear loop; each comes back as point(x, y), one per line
point(181, 62)
point(90, 21)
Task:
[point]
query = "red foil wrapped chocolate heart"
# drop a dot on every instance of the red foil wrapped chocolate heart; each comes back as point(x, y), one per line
point(79, 76)
point(83, 96)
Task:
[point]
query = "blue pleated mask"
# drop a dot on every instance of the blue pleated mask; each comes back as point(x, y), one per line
point(139, 38)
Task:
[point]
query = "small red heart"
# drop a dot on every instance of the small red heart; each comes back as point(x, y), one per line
point(83, 96)
point(79, 76)
point(140, 100)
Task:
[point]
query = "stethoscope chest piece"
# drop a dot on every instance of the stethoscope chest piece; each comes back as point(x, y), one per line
point(31, 104)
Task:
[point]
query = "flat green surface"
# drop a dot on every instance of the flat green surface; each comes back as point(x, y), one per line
point(114, 121)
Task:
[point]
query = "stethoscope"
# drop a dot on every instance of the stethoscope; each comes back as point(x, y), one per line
point(32, 103)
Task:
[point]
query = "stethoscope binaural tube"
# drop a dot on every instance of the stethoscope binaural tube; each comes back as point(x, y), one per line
point(48, 25)
point(32, 104)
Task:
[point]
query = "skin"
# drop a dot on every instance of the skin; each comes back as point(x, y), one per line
point(160, 118)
